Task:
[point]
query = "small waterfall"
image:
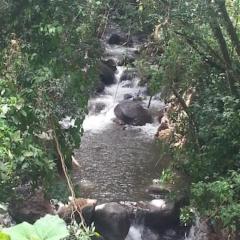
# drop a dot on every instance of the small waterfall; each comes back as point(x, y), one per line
point(135, 233)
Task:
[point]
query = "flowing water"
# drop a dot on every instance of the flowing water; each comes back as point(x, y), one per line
point(116, 162)
point(119, 163)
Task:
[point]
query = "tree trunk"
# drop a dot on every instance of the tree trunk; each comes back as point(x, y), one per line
point(217, 32)
point(229, 25)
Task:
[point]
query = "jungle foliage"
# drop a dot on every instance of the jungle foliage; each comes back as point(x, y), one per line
point(49, 53)
point(194, 51)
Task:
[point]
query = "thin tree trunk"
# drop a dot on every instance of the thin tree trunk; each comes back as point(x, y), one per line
point(206, 59)
point(229, 25)
point(217, 32)
point(150, 100)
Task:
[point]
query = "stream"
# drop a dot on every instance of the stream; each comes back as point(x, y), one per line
point(117, 163)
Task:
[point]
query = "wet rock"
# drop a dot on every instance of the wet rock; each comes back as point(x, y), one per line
point(127, 96)
point(96, 107)
point(133, 113)
point(161, 214)
point(99, 88)
point(106, 74)
point(120, 39)
point(110, 63)
point(128, 74)
point(118, 121)
point(127, 60)
point(88, 213)
point(84, 205)
point(112, 221)
point(157, 189)
point(115, 39)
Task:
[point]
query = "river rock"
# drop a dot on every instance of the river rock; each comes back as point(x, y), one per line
point(84, 205)
point(112, 221)
point(106, 74)
point(133, 113)
point(158, 189)
point(126, 60)
point(115, 39)
point(120, 39)
point(127, 96)
point(110, 63)
point(96, 107)
point(161, 214)
point(99, 87)
point(128, 74)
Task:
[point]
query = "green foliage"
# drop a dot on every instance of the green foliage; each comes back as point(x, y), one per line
point(4, 236)
point(48, 66)
point(77, 232)
point(193, 55)
point(48, 227)
point(167, 176)
point(219, 200)
point(21, 158)
point(187, 216)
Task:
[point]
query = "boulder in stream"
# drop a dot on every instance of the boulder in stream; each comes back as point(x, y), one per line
point(110, 63)
point(128, 74)
point(112, 221)
point(133, 113)
point(127, 96)
point(120, 39)
point(161, 214)
point(115, 39)
point(106, 74)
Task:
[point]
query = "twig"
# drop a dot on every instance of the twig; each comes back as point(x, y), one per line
point(69, 182)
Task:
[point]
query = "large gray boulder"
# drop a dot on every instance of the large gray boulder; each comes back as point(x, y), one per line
point(112, 221)
point(133, 113)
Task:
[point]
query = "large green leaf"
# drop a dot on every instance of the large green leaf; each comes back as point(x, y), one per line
point(23, 231)
point(4, 236)
point(47, 228)
point(51, 228)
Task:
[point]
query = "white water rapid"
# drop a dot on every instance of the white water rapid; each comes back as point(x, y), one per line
point(114, 94)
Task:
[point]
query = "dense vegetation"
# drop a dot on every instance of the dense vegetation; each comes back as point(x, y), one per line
point(47, 69)
point(195, 52)
point(48, 64)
